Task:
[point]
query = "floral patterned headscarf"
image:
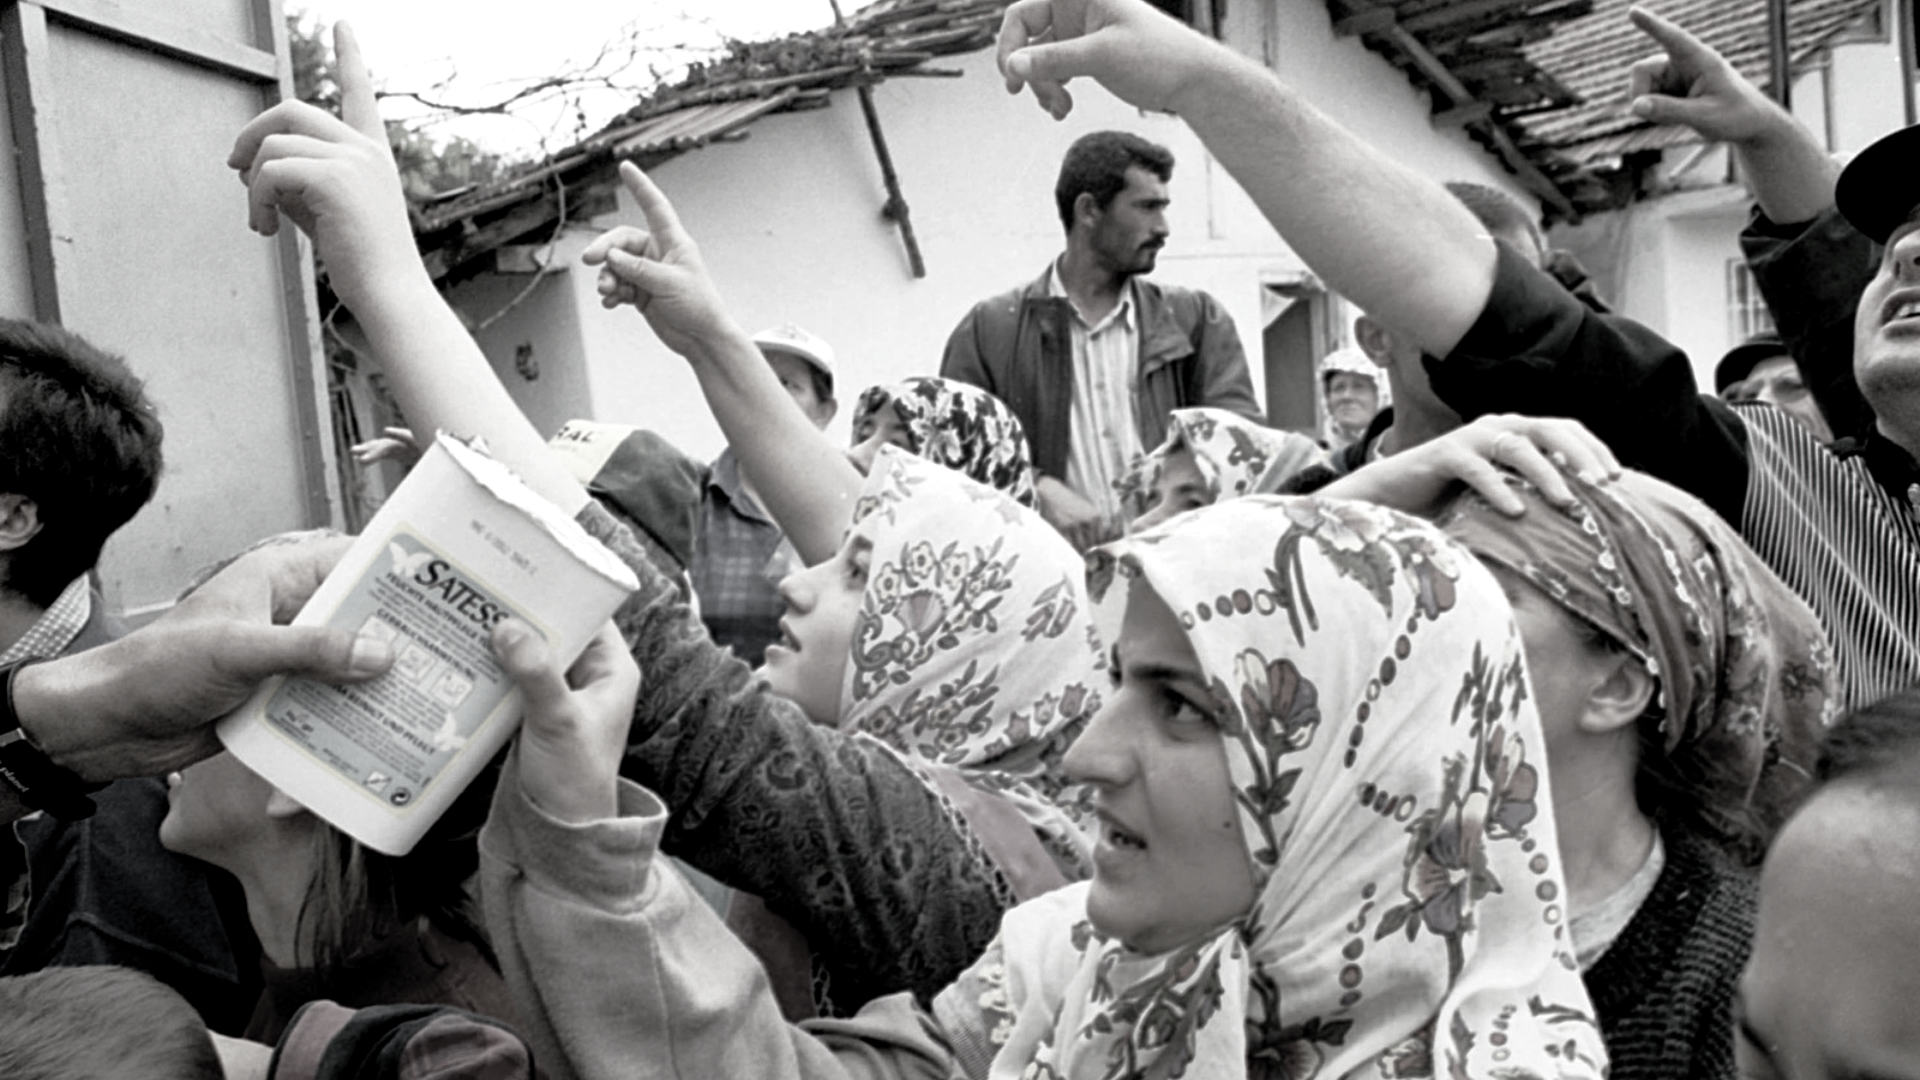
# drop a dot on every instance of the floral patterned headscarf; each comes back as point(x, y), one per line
point(1235, 456)
point(974, 647)
point(1382, 743)
point(1746, 682)
point(960, 426)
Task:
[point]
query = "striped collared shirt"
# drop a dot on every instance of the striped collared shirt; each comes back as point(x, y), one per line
point(1106, 377)
point(1844, 542)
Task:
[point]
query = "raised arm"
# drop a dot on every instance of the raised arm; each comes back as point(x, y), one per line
point(1810, 264)
point(807, 484)
point(1393, 242)
point(1789, 174)
point(336, 180)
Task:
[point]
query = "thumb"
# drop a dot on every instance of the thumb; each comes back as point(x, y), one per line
point(527, 660)
point(1667, 109)
point(252, 653)
point(638, 271)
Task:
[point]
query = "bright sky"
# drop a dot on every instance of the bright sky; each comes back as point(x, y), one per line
point(483, 50)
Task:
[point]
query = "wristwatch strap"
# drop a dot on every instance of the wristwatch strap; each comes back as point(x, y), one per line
point(28, 771)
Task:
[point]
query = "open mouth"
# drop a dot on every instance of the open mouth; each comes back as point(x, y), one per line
point(786, 639)
point(1901, 309)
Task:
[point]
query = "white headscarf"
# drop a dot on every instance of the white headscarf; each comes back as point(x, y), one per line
point(1380, 736)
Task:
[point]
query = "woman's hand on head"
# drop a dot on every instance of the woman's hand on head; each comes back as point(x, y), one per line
point(1420, 479)
point(575, 726)
point(659, 271)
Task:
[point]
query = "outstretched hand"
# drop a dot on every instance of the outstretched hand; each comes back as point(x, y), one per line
point(659, 271)
point(144, 705)
point(1692, 85)
point(1421, 479)
point(575, 726)
point(333, 178)
point(1141, 54)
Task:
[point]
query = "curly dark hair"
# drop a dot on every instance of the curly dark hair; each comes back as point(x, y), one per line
point(1097, 165)
point(79, 437)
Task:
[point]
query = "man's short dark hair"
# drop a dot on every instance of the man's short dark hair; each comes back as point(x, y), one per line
point(101, 1023)
point(1097, 165)
point(78, 437)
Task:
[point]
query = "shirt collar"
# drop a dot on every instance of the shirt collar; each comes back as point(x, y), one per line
point(56, 627)
point(1122, 312)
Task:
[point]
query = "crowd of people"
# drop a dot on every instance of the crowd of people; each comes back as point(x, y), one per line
point(1555, 720)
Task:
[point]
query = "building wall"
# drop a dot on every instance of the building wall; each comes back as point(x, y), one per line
point(789, 222)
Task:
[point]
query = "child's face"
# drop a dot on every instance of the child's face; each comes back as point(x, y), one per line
point(212, 808)
point(1829, 990)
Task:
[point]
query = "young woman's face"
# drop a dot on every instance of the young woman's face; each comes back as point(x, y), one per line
point(1171, 865)
point(1179, 489)
point(808, 664)
point(213, 808)
point(1563, 661)
point(881, 427)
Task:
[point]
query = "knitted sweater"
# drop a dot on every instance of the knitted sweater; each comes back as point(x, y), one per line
point(1664, 991)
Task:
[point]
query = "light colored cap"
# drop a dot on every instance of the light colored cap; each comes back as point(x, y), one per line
point(788, 338)
point(1351, 360)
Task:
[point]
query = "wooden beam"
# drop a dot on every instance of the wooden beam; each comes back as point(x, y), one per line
point(1459, 116)
point(1458, 95)
point(43, 183)
point(142, 27)
point(1365, 21)
point(1441, 18)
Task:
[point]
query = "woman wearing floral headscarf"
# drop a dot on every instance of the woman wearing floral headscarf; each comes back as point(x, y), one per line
point(1325, 851)
point(1209, 455)
point(1683, 689)
point(949, 423)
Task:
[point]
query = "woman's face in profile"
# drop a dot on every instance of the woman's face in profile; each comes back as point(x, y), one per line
point(1171, 864)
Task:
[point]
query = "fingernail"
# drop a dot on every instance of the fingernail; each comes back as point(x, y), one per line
point(369, 655)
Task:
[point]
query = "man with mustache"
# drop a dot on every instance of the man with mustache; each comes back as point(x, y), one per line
point(1091, 357)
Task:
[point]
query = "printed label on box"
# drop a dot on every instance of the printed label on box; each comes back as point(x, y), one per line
point(392, 736)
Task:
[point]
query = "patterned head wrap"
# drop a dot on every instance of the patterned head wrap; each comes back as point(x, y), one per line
point(960, 426)
point(1379, 735)
point(1235, 457)
point(1744, 670)
point(974, 638)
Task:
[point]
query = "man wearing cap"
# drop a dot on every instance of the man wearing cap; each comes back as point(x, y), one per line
point(1350, 386)
point(1091, 358)
point(740, 555)
point(1761, 369)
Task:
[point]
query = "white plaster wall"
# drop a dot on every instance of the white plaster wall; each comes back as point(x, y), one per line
point(789, 221)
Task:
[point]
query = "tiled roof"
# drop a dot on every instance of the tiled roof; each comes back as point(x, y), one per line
point(1550, 76)
point(458, 232)
point(1592, 55)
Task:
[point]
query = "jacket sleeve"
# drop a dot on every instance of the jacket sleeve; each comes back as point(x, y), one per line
point(326, 1041)
point(1225, 381)
point(1538, 350)
point(963, 360)
point(834, 832)
point(620, 970)
point(1812, 275)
